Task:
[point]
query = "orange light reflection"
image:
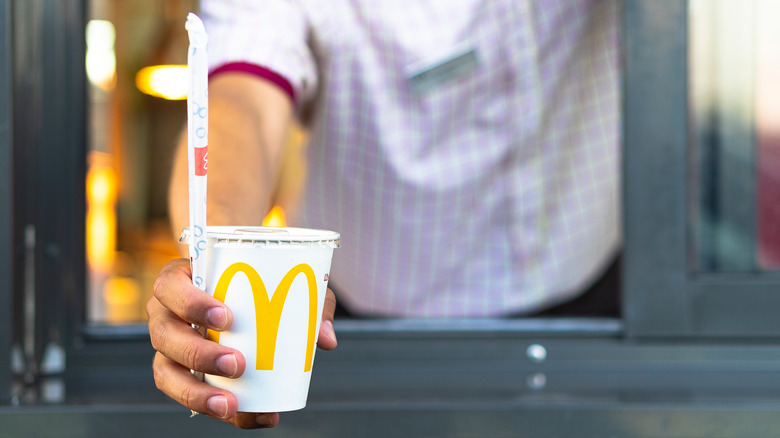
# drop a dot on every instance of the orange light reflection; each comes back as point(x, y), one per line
point(275, 218)
point(101, 216)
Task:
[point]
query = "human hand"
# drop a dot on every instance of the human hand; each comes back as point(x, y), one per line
point(176, 305)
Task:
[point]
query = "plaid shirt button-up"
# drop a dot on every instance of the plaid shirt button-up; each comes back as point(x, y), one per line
point(466, 150)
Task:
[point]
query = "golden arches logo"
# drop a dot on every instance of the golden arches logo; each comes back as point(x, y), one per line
point(269, 312)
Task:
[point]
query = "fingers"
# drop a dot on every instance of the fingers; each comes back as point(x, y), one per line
point(251, 420)
point(179, 384)
point(174, 290)
point(181, 343)
point(176, 304)
point(327, 336)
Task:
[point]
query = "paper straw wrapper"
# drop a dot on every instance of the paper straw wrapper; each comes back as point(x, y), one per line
point(197, 144)
point(197, 149)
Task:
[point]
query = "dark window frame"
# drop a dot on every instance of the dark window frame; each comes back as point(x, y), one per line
point(665, 295)
point(6, 198)
point(108, 376)
point(47, 99)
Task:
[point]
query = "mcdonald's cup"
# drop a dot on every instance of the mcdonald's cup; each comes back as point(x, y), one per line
point(274, 281)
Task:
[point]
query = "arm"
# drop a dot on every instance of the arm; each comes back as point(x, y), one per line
point(249, 119)
point(248, 123)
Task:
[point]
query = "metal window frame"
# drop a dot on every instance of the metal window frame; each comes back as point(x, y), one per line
point(594, 382)
point(664, 295)
point(6, 200)
point(47, 94)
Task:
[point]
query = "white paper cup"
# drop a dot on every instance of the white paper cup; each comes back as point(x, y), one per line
point(274, 281)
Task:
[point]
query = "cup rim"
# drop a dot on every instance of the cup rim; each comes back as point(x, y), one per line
point(265, 234)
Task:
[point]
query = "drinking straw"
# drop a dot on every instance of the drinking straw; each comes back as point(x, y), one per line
point(197, 144)
point(197, 151)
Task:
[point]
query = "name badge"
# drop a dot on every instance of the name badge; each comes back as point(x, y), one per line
point(428, 74)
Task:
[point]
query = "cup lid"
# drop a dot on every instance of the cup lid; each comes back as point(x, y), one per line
point(250, 234)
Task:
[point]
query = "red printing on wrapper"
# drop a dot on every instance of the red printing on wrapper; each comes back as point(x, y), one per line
point(201, 160)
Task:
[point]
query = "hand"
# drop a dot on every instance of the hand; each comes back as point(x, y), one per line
point(175, 305)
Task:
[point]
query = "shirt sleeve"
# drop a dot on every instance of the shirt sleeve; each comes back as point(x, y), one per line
point(267, 38)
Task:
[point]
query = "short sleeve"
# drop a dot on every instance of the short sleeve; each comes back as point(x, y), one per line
point(263, 37)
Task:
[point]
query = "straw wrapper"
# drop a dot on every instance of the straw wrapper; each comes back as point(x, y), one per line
point(197, 144)
point(197, 149)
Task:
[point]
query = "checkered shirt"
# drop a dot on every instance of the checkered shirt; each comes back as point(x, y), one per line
point(491, 187)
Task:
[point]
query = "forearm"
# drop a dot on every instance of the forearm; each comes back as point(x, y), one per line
point(249, 120)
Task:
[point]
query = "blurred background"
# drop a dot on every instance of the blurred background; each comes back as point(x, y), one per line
point(734, 63)
point(136, 58)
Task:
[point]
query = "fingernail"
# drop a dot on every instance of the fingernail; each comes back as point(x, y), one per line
point(218, 406)
point(227, 364)
point(217, 317)
point(328, 329)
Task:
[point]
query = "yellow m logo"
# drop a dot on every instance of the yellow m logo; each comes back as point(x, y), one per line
point(269, 312)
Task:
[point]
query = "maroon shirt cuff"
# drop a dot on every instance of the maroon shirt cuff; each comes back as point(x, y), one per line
point(256, 70)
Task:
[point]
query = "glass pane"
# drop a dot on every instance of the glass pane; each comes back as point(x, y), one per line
point(734, 63)
point(136, 65)
point(132, 138)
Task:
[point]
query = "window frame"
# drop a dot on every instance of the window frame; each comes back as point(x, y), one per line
point(48, 149)
point(664, 295)
point(104, 362)
point(6, 198)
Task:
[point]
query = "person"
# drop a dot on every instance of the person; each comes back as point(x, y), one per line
point(466, 150)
